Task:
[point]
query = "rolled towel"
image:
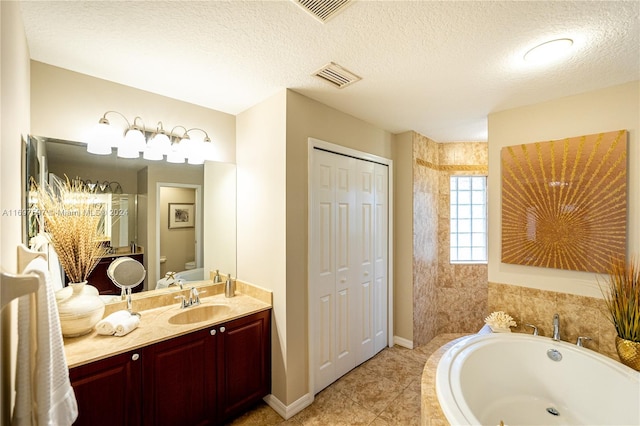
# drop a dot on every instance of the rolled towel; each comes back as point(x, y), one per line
point(107, 326)
point(127, 325)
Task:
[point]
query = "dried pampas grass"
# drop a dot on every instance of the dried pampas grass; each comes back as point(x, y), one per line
point(622, 296)
point(72, 221)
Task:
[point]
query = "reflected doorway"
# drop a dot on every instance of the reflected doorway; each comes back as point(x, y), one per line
point(179, 230)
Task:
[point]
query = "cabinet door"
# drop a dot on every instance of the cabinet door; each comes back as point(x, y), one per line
point(109, 391)
point(179, 380)
point(244, 370)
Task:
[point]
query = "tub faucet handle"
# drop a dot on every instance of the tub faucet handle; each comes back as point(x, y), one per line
point(556, 327)
point(581, 340)
point(535, 329)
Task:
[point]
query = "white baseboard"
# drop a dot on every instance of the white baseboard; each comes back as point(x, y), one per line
point(401, 341)
point(288, 411)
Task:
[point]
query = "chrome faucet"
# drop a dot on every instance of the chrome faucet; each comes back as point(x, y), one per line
point(194, 298)
point(556, 327)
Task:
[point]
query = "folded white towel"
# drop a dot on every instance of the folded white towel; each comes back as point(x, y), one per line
point(128, 325)
point(107, 326)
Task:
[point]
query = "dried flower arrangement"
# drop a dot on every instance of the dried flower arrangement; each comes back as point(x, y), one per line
point(621, 294)
point(72, 221)
point(499, 320)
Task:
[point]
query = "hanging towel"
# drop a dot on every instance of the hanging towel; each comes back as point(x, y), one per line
point(41, 243)
point(107, 326)
point(44, 395)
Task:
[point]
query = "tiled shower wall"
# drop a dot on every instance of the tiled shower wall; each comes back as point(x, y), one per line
point(447, 298)
point(425, 239)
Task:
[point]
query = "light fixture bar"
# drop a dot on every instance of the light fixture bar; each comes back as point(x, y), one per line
point(154, 145)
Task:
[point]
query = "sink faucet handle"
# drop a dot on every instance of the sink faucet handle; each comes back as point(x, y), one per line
point(581, 340)
point(183, 303)
point(535, 329)
point(198, 295)
point(195, 296)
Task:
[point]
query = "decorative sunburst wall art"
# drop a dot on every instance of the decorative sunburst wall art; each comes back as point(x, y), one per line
point(564, 202)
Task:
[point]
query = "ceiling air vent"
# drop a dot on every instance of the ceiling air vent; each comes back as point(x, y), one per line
point(323, 10)
point(336, 75)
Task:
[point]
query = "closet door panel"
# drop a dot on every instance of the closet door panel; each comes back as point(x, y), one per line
point(322, 270)
point(381, 257)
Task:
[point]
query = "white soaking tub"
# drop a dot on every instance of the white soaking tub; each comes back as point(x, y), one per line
point(512, 378)
point(187, 275)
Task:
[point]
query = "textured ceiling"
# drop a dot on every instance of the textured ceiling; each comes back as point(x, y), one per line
point(438, 68)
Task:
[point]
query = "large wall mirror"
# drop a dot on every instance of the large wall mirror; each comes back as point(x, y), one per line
point(179, 217)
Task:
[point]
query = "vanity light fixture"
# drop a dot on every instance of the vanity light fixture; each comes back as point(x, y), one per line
point(177, 147)
point(548, 51)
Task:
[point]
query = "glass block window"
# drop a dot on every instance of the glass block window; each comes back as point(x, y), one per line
point(468, 228)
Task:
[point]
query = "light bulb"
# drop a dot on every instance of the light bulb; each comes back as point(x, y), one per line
point(102, 137)
point(128, 151)
point(135, 138)
point(175, 156)
point(160, 142)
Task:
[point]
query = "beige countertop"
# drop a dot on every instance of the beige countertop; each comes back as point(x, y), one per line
point(154, 321)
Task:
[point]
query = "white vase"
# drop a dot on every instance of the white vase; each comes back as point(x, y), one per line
point(80, 310)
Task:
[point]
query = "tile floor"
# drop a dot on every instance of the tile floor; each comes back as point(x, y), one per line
point(382, 391)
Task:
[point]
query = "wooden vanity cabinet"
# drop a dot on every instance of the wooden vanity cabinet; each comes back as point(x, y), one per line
point(200, 378)
point(109, 391)
point(180, 380)
point(244, 374)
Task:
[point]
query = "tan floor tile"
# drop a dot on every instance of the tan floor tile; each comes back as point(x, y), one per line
point(384, 391)
point(404, 410)
point(395, 366)
point(262, 415)
point(372, 392)
point(331, 407)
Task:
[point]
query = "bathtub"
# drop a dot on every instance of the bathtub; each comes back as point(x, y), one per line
point(510, 377)
point(196, 274)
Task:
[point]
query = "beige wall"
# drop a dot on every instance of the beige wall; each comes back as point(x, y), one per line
point(260, 154)
point(403, 233)
point(614, 108)
point(66, 105)
point(14, 123)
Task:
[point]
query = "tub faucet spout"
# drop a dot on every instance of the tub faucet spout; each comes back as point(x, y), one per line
point(556, 327)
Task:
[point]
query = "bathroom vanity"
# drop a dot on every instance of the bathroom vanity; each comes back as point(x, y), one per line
point(196, 373)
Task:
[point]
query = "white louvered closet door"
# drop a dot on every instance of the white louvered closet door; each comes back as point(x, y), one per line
point(346, 288)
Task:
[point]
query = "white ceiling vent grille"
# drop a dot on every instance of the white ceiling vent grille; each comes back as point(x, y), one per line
point(323, 10)
point(337, 75)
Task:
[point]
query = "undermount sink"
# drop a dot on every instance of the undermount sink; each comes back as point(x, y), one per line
point(199, 314)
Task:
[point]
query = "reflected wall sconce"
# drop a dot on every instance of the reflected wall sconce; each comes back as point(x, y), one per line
point(98, 187)
point(154, 145)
